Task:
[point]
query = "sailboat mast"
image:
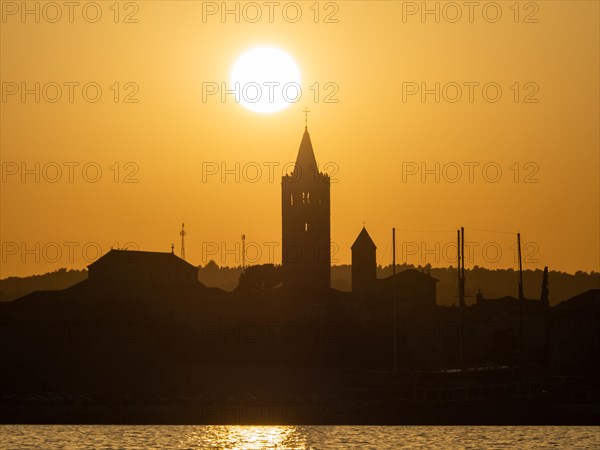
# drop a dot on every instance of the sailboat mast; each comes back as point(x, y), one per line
point(394, 299)
point(520, 267)
point(521, 300)
point(461, 296)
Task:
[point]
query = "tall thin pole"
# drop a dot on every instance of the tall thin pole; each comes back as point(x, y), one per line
point(462, 251)
point(521, 300)
point(461, 260)
point(243, 252)
point(521, 296)
point(394, 299)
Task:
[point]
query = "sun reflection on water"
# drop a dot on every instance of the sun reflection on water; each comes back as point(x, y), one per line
point(250, 437)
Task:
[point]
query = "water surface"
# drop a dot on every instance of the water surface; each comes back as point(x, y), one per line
point(293, 437)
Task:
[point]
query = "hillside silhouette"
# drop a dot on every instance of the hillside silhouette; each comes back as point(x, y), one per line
point(15, 287)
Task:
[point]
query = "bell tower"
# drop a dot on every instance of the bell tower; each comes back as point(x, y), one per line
point(364, 263)
point(305, 211)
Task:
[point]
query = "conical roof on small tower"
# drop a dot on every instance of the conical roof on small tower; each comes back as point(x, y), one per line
point(363, 240)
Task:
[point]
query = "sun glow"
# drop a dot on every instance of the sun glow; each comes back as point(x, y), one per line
point(266, 80)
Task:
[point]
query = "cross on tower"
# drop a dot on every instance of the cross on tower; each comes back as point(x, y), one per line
point(364, 223)
point(306, 111)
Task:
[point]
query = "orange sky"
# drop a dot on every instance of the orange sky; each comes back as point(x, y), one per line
point(369, 138)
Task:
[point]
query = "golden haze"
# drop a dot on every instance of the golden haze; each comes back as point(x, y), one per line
point(367, 135)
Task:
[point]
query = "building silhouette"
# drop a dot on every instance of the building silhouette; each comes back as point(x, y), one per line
point(364, 263)
point(414, 288)
point(133, 267)
point(305, 210)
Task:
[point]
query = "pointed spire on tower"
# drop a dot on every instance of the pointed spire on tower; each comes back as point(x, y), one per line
point(306, 154)
point(306, 162)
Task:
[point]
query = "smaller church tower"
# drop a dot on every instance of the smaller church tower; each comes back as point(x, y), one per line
point(364, 263)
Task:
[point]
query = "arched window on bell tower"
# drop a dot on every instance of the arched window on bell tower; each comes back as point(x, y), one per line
point(305, 198)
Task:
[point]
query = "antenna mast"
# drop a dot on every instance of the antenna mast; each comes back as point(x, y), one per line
point(182, 233)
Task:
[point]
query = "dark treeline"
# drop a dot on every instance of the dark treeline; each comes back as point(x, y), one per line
point(15, 287)
point(492, 283)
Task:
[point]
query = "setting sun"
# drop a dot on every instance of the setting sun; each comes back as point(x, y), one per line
point(266, 80)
